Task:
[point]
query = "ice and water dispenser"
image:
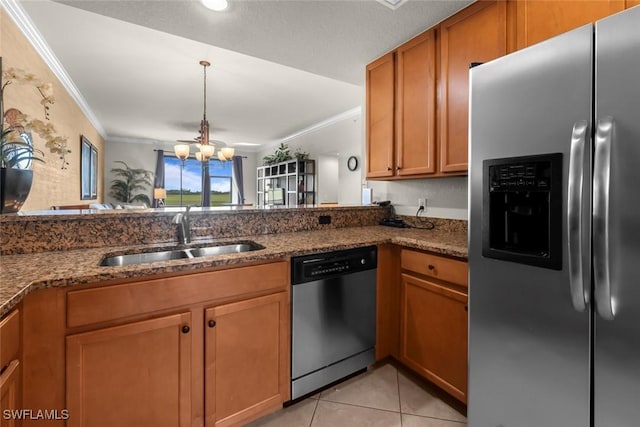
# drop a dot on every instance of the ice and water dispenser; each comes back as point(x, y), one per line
point(522, 210)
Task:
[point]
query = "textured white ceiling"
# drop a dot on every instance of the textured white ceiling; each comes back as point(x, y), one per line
point(277, 66)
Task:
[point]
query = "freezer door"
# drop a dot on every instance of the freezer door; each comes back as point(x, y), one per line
point(616, 239)
point(529, 348)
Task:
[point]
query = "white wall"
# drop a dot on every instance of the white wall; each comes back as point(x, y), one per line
point(327, 174)
point(340, 139)
point(446, 197)
point(140, 155)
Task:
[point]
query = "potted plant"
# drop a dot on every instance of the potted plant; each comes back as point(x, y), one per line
point(133, 180)
point(281, 154)
point(16, 147)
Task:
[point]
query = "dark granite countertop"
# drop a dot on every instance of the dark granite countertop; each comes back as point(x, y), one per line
point(21, 274)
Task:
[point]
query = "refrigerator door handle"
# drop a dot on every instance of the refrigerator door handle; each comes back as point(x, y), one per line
point(577, 253)
point(601, 175)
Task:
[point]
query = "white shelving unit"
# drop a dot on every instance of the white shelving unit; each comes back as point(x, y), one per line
point(290, 183)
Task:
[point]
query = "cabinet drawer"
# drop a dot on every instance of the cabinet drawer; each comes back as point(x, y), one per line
point(9, 338)
point(438, 267)
point(97, 305)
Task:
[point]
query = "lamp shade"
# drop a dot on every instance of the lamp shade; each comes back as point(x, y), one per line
point(159, 193)
point(207, 150)
point(228, 152)
point(181, 150)
point(221, 156)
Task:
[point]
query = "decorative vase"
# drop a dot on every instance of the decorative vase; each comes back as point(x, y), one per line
point(15, 185)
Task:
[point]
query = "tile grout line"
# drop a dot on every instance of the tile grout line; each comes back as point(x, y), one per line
point(314, 411)
point(399, 398)
point(361, 406)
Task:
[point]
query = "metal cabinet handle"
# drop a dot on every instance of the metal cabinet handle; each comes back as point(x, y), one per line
point(398, 167)
point(186, 329)
point(212, 323)
point(601, 176)
point(388, 168)
point(577, 262)
point(431, 267)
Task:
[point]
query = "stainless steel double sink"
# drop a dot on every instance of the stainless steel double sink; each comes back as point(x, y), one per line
point(163, 254)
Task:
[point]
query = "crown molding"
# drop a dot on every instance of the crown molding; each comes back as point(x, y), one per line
point(22, 20)
point(354, 112)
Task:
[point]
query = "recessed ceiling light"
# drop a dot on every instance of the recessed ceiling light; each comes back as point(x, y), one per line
point(392, 4)
point(217, 5)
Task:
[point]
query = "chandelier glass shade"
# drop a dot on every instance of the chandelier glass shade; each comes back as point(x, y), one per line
point(181, 150)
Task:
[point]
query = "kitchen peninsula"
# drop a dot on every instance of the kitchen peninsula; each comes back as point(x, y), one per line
point(188, 310)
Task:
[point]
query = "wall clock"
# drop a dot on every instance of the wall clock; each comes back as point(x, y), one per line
point(352, 163)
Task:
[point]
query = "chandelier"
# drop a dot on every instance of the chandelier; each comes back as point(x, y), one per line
point(207, 150)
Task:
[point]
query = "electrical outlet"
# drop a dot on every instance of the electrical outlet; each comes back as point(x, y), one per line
point(421, 203)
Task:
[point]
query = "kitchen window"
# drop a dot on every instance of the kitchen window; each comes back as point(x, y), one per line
point(220, 176)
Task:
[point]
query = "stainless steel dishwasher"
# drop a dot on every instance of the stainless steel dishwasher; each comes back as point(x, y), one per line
point(333, 317)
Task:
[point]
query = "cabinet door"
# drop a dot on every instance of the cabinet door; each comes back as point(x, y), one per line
point(415, 106)
point(137, 374)
point(246, 359)
point(10, 394)
point(433, 338)
point(476, 34)
point(380, 117)
point(538, 20)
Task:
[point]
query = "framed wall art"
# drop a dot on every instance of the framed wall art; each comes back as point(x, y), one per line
point(88, 170)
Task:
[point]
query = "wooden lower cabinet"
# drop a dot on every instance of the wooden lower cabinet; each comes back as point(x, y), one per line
point(10, 370)
point(433, 337)
point(142, 353)
point(10, 394)
point(246, 359)
point(138, 374)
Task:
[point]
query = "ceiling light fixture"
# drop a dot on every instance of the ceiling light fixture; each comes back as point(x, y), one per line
point(206, 150)
point(216, 5)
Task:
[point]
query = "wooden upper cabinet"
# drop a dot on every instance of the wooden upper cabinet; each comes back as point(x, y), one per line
point(380, 117)
point(476, 34)
point(538, 20)
point(416, 106)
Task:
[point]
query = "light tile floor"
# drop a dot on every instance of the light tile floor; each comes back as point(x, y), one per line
point(382, 397)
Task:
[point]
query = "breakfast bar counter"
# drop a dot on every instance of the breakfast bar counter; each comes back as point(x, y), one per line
point(21, 274)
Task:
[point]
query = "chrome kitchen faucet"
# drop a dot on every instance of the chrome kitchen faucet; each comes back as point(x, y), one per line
point(184, 226)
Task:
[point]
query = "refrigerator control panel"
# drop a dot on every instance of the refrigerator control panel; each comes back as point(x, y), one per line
point(522, 210)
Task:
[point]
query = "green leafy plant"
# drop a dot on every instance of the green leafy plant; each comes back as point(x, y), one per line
point(300, 155)
point(281, 154)
point(133, 181)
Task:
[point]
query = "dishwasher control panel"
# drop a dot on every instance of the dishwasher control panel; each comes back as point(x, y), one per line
point(330, 264)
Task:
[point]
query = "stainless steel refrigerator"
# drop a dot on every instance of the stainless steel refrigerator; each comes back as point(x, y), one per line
point(554, 232)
